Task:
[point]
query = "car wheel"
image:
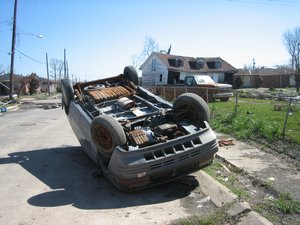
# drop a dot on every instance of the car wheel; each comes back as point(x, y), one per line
point(191, 108)
point(67, 94)
point(107, 133)
point(131, 74)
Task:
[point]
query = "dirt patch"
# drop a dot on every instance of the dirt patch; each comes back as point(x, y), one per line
point(286, 149)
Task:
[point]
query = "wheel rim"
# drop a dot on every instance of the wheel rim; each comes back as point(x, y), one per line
point(104, 138)
point(188, 113)
point(191, 113)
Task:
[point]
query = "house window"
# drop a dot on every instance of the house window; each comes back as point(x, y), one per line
point(160, 78)
point(210, 65)
point(214, 64)
point(199, 64)
point(218, 64)
point(154, 64)
point(179, 62)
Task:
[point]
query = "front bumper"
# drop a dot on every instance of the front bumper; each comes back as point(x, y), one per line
point(223, 95)
point(152, 165)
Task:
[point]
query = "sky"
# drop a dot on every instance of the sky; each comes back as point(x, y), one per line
point(101, 36)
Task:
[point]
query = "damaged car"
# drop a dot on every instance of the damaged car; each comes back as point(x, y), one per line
point(137, 138)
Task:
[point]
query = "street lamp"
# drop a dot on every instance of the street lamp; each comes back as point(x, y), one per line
point(36, 35)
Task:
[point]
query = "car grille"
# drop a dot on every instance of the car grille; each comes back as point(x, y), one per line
point(161, 177)
point(173, 150)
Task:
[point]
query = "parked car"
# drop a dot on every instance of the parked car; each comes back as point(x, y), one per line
point(202, 85)
point(137, 138)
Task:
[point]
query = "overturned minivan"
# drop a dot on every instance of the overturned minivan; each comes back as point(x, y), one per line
point(137, 138)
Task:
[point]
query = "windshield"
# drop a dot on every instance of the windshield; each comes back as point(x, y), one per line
point(203, 79)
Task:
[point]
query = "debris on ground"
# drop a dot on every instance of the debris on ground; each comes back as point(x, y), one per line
point(52, 106)
point(225, 142)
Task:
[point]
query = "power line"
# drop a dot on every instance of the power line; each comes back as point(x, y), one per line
point(269, 2)
point(30, 57)
point(8, 22)
point(5, 30)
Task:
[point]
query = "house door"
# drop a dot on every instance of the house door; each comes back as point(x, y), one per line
point(173, 77)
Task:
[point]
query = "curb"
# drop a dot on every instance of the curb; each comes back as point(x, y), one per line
point(12, 108)
point(9, 109)
point(221, 195)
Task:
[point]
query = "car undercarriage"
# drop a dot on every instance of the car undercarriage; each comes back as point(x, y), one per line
point(137, 138)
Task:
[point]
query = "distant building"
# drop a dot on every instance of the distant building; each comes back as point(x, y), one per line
point(5, 83)
point(31, 84)
point(163, 69)
point(264, 77)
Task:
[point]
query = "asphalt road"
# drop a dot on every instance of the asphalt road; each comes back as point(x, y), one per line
point(46, 178)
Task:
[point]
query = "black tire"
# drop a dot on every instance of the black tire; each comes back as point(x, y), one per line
point(131, 74)
point(191, 108)
point(107, 133)
point(67, 94)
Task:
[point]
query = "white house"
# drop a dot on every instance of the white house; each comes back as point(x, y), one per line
point(163, 69)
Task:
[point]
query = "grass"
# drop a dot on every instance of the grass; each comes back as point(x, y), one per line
point(256, 119)
point(286, 204)
point(229, 180)
point(217, 218)
point(280, 209)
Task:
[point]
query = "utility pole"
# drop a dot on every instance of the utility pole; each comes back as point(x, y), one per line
point(12, 59)
point(65, 64)
point(298, 69)
point(48, 74)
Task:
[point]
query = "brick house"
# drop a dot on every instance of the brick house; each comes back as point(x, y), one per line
point(264, 77)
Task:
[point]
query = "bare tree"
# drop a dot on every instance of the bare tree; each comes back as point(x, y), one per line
point(1, 69)
point(291, 40)
point(60, 69)
point(247, 67)
point(150, 46)
point(136, 60)
point(56, 66)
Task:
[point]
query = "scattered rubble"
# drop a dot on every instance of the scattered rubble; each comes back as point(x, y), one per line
point(225, 142)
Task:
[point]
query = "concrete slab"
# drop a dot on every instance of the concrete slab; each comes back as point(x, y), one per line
point(218, 193)
point(253, 218)
point(239, 208)
point(262, 165)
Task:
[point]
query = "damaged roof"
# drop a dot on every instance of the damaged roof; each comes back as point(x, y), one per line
point(191, 64)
